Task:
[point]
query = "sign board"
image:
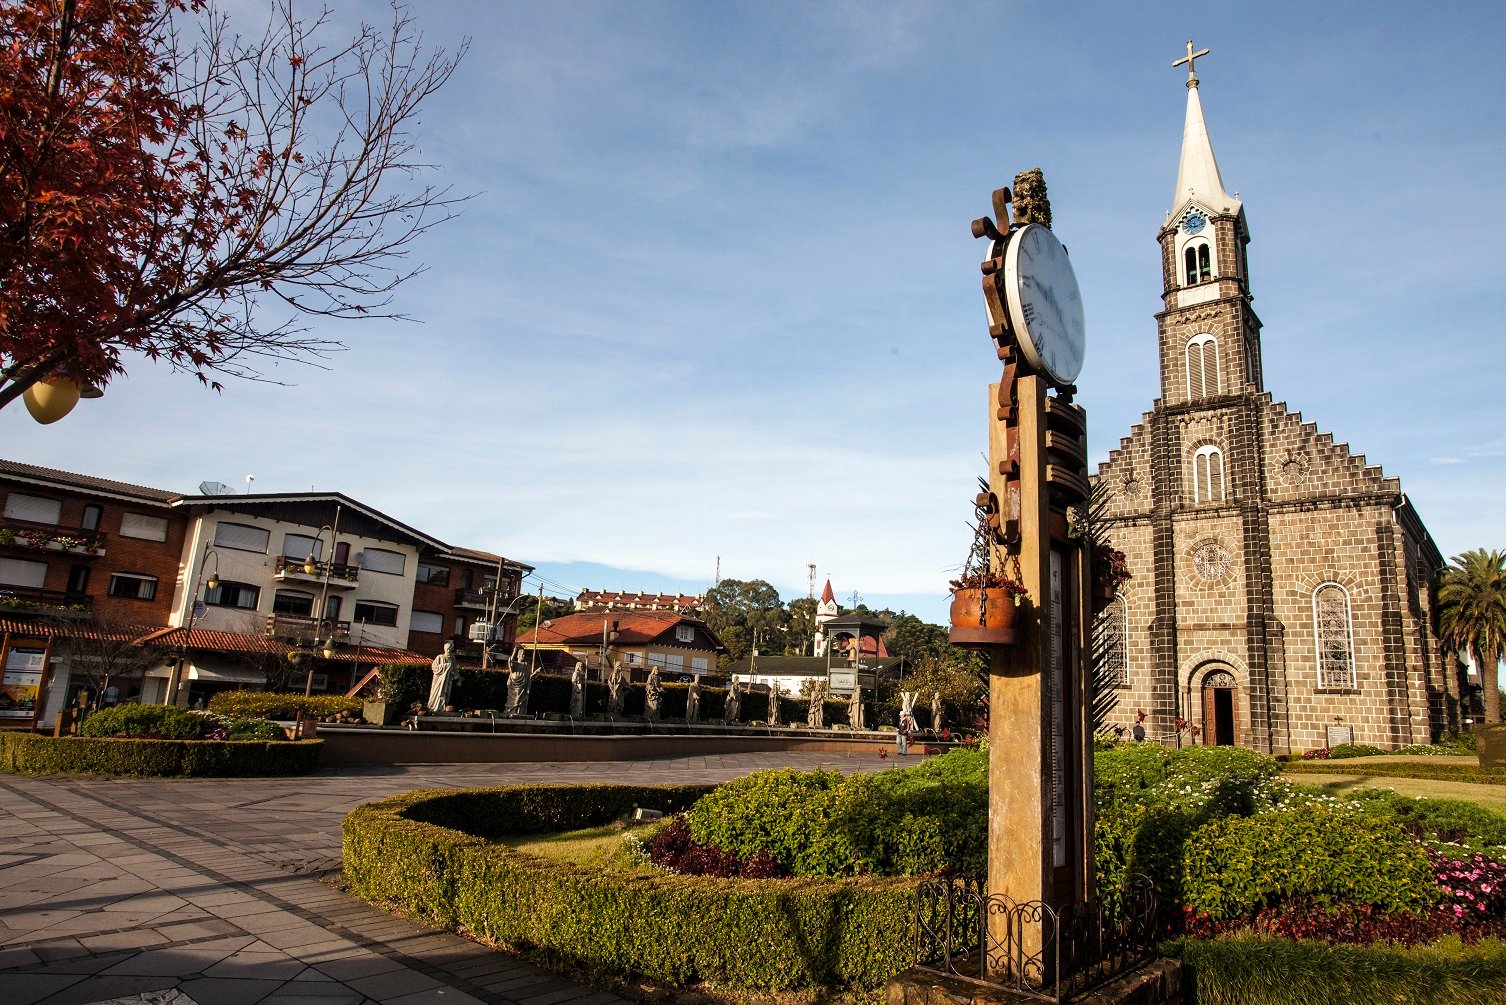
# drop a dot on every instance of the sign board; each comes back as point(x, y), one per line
point(1339, 734)
point(22, 683)
point(842, 680)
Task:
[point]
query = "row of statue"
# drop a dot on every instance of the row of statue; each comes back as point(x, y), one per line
point(520, 684)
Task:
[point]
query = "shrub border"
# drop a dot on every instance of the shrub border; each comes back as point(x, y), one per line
point(736, 933)
point(1399, 769)
point(31, 754)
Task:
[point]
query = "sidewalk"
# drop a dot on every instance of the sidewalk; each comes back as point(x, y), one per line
point(207, 891)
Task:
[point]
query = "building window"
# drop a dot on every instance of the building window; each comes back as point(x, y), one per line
point(241, 537)
point(675, 661)
point(1208, 475)
point(656, 660)
point(21, 572)
point(433, 575)
point(1204, 378)
point(90, 519)
point(426, 621)
point(382, 560)
point(301, 546)
point(242, 595)
point(1111, 645)
point(699, 664)
point(32, 509)
point(78, 579)
point(684, 633)
point(133, 586)
point(374, 612)
point(331, 608)
point(146, 528)
point(1335, 638)
point(1197, 262)
point(634, 658)
point(293, 602)
point(1252, 364)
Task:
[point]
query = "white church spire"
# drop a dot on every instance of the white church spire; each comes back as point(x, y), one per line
point(1197, 172)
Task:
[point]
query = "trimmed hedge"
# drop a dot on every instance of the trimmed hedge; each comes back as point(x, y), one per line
point(31, 754)
point(429, 853)
point(1402, 769)
point(1259, 970)
point(280, 705)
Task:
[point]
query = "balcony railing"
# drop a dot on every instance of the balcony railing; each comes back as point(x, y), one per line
point(299, 628)
point(482, 599)
point(341, 576)
point(35, 600)
point(50, 537)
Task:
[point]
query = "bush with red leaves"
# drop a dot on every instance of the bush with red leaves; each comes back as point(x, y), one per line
point(674, 849)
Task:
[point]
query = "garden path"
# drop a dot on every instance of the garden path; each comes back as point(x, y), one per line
point(208, 892)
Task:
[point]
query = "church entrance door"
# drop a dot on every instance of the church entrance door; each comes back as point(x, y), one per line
point(1220, 702)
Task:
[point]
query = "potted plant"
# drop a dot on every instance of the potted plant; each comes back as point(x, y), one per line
point(1110, 571)
point(985, 598)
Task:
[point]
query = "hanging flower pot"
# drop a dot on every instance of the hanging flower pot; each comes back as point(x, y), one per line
point(983, 617)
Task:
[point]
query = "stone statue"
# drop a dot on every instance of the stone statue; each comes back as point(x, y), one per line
point(855, 709)
point(693, 700)
point(444, 678)
point(578, 692)
point(732, 710)
point(774, 704)
point(616, 691)
point(653, 696)
point(519, 683)
point(815, 718)
point(936, 719)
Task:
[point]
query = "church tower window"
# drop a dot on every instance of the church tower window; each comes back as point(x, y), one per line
point(1208, 475)
point(1334, 634)
point(1203, 376)
point(1198, 263)
point(1111, 645)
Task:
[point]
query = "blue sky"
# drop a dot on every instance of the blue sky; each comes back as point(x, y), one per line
point(716, 295)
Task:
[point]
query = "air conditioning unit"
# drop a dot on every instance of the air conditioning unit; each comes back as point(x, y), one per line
point(483, 632)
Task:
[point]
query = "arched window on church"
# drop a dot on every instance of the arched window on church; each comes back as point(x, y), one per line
point(1208, 475)
point(1197, 263)
point(1334, 634)
point(1111, 645)
point(1203, 376)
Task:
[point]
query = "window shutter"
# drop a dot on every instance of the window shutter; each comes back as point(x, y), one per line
point(33, 509)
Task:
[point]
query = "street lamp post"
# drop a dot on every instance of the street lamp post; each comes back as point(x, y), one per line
point(190, 615)
point(311, 566)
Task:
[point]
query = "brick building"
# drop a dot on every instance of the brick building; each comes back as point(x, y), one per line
point(1280, 596)
point(231, 585)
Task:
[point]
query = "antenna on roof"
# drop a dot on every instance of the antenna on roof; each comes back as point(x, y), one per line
point(215, 489)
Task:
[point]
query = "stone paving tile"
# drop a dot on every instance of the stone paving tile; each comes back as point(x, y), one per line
point(24, 989)
point(147, 878)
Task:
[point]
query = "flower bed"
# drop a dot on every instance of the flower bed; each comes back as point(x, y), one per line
point(430, 854)
point(30, 754)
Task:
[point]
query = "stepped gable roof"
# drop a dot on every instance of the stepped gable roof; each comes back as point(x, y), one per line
point(634, 628)
point(86, 483)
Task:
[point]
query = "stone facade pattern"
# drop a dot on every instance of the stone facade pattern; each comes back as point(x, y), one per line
point(1226, 586)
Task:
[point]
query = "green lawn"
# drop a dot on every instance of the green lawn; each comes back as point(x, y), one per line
point(598, 847)
point(1344, 775)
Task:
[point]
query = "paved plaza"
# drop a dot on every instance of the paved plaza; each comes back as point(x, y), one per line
point(208, 891)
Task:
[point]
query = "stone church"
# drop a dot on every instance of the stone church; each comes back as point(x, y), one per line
point(1280, 597)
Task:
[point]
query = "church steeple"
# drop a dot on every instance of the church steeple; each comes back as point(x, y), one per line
point(1210, 338)
point(1197, 172)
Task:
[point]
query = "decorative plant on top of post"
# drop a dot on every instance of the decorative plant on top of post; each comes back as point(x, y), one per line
point(985, 597)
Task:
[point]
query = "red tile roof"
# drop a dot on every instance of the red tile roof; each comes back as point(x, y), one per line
point(622, 599)
point(634, 628)
point(85, 482)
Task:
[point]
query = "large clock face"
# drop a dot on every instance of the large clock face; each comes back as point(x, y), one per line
point(1045, 305)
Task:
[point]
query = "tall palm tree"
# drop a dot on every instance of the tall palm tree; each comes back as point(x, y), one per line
point(1472, 616)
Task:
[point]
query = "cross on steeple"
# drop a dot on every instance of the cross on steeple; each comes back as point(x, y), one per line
point(1188, 59)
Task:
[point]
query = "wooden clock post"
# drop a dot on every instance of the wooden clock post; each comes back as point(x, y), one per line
point(1040, 853)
